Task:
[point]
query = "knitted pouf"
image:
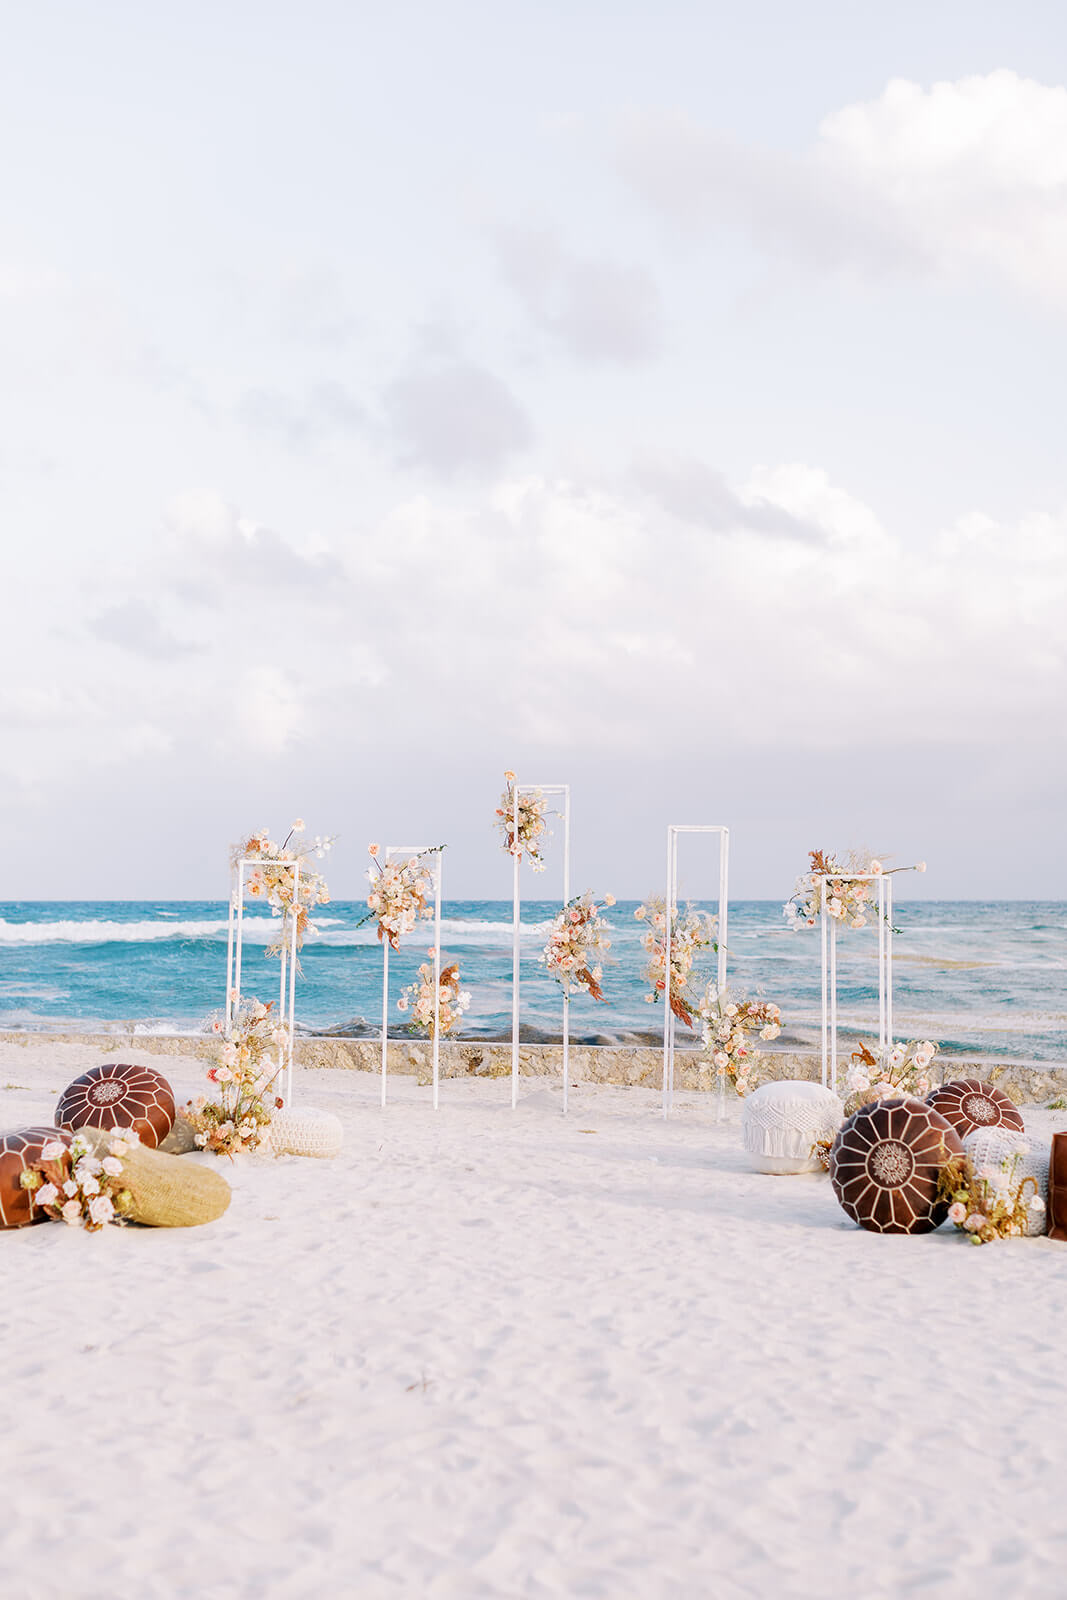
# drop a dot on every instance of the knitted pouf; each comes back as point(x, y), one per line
point(989, 1147)
point(781, 1123)
point(886, 1162)
point(118, 1095)
point(305, 1132)
point(969, 1104)
point(18, 1152)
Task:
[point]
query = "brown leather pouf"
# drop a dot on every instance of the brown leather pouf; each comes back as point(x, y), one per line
point(18, 1151)
point(885, 1164)
point(117, 1095)
point(1057, 1188)
point(969, 1104)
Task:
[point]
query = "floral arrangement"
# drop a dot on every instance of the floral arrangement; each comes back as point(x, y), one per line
point(690, 932)
point(418, 997)
point(576, 945)
point(272, 880)
point(904, 1069)
point(728, 1027)
point(524, 834)
point(400, 893)
point(243, 1073)
point(990, 1202)
point(848, 901)
point(72, 1184)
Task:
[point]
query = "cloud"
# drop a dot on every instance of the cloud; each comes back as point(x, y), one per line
point(214, 551)
point(599, 310)
point(693, 492)
point(965, 175)
point(327, 409)
point(454, 417)
point(134, 625)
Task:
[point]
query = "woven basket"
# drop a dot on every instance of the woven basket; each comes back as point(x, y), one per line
point(166, 1191)
point(306, 1132)
point(988, 1147)
point(780, 1123)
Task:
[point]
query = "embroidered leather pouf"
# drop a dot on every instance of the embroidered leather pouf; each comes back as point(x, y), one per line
point(969, 1104)
point(117, 1095)
point(886, 1162)
point(781, 1123)
point(1018, 1156)
point(19, 1151)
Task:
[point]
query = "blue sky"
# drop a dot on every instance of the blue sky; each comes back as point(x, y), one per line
point(667, 403)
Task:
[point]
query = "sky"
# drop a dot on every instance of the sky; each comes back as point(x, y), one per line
point(666, 401)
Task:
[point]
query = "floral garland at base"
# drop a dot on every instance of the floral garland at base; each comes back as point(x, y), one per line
point(988, 1203)
point(902, 1070)
point(728, 1027)
point(576, 945)
point(239, 1120)
point(74, 1185)
point(690, 932)
point(525, 834)
point(419, 998)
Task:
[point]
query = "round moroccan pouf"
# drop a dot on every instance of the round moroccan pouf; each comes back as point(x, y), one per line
point(117, 1095)
point(969, 1104)
point(305, 1132)
point(1025, 1158)
point(19, 1151)
point(886, 1162)
point(782, 1122)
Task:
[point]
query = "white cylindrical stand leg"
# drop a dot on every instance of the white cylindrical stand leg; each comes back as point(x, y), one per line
point(515, 973)
point(668, 1039)
point(437, 986)
point(833, 1008)
point(229, 953)
point(385, 1017)
point(889, 963)
point(881, 964)
point(236, 993)
point(724, 904)
point(825, 984)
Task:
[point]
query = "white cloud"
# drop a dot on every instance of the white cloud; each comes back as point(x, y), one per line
point(961, 176)
point(598, 309)
point(453, 417)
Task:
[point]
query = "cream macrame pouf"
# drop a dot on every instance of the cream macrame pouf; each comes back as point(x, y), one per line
point(305, 1132)
point(780, 1122)
point(988, 1147)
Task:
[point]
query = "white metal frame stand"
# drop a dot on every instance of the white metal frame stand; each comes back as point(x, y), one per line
point(548, 789)
point(670, 909)
point(416, 850)
point(828, 930)
point(287, 959)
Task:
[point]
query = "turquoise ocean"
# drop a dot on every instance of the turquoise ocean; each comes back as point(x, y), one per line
point(979, 978)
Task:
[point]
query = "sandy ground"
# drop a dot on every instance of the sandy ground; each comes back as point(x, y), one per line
point(488, 1353)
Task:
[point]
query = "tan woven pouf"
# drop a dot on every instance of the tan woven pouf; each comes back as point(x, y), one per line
point(989, 1147)
point(305, 1131)
point(782, 1122)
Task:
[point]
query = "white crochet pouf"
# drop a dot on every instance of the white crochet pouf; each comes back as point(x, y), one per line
point(780, 1122)
point(305, 1132)
point(988, 1147)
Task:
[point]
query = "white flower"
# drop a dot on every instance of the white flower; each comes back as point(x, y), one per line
point(46, 1195)
point(101, 1210)
point(112, 1167)
point(70, 1187)
point(298, 826)
point(1035, 1203)
point(72, 1212)
point(875, 867)
point(89, 1184)
point(54, 1150)
point(721, 1059)
point(957, 1212)
point(200, 1139)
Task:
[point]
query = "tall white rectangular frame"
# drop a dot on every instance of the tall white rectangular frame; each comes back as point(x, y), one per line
point(828, 931)
point(674, 829)
point(549, 790)
point(416, 850)
point(287, 960)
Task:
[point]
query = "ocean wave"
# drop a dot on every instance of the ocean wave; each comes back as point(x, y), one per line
point(256, 930)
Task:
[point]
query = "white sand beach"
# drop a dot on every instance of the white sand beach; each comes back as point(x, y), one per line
point(497, 1354)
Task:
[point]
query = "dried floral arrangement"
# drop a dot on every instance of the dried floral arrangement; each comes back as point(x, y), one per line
point(851, 903)
point(690, 932)
point(729, 1027)
point(990, 1202)
point(72, 1184)
point(418, 998)
point(400, 893)
point(526, 833)
point(272, 880)
point(902, 1070)
point(577, 945)
point(244, 1073)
